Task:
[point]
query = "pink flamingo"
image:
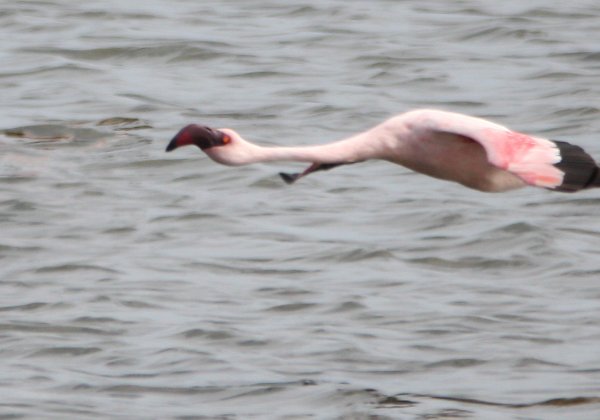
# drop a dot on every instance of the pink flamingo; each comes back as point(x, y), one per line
point(474, 152)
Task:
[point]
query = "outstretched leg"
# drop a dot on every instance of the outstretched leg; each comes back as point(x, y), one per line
point(291, 178)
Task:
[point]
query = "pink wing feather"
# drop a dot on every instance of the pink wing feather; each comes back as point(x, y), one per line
point(530, 158)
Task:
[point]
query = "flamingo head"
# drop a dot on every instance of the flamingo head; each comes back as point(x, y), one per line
point(222, 145)
point(202, 136)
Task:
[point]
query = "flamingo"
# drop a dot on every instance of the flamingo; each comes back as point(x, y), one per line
point(471, 151)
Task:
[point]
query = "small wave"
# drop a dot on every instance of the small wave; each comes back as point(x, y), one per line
point(292, 307)
point(532, 339)
point(24, 308)
point(456, 363)
point(124, 123)
point(553, 75)
point(60, 70)
point(167, 52)
point(187, 217)
point(473, 262)
point(53, 329)
point(19, 249)
point(353, 255)
point(206, 334)
point(147, 389)
point(247, 269)
point(53, 133)
point(72, 267)
point(494, 33)
point(349, 306)
point(65, 351)
point(196, 55)
point(528, 362)
point(259, 74)
point(553, 402)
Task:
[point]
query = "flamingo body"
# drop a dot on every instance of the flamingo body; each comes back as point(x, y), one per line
point(474, 152)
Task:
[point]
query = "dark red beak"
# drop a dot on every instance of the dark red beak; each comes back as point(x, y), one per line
point(200, 135)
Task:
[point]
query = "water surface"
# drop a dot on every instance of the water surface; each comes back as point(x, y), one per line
point(136, 284)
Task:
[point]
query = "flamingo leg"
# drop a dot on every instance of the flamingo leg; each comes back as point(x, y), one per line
point(291, 178)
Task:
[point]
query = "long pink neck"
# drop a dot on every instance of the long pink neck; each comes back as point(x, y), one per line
point(354, 149)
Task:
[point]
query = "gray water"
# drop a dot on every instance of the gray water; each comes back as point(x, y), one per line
point(139, 284)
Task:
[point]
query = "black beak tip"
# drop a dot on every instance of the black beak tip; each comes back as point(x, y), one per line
point(171, 146)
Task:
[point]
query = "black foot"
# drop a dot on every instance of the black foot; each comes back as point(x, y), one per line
point(289, 178)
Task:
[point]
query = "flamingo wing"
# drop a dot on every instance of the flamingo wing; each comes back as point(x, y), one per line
point(539, 162)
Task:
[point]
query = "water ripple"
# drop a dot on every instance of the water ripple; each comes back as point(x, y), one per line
point(156, 285)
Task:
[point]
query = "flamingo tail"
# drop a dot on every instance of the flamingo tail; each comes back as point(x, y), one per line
point(580, 169)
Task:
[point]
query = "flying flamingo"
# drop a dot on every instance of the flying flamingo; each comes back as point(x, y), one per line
point(474, 152)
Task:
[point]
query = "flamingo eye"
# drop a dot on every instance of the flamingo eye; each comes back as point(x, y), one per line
point(226, 139)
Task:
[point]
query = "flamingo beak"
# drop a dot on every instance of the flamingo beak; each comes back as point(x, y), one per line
point(172, 145)
point(202, 136)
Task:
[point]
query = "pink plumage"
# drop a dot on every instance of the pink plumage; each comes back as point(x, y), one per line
point(533, 160)
point(474, 152)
